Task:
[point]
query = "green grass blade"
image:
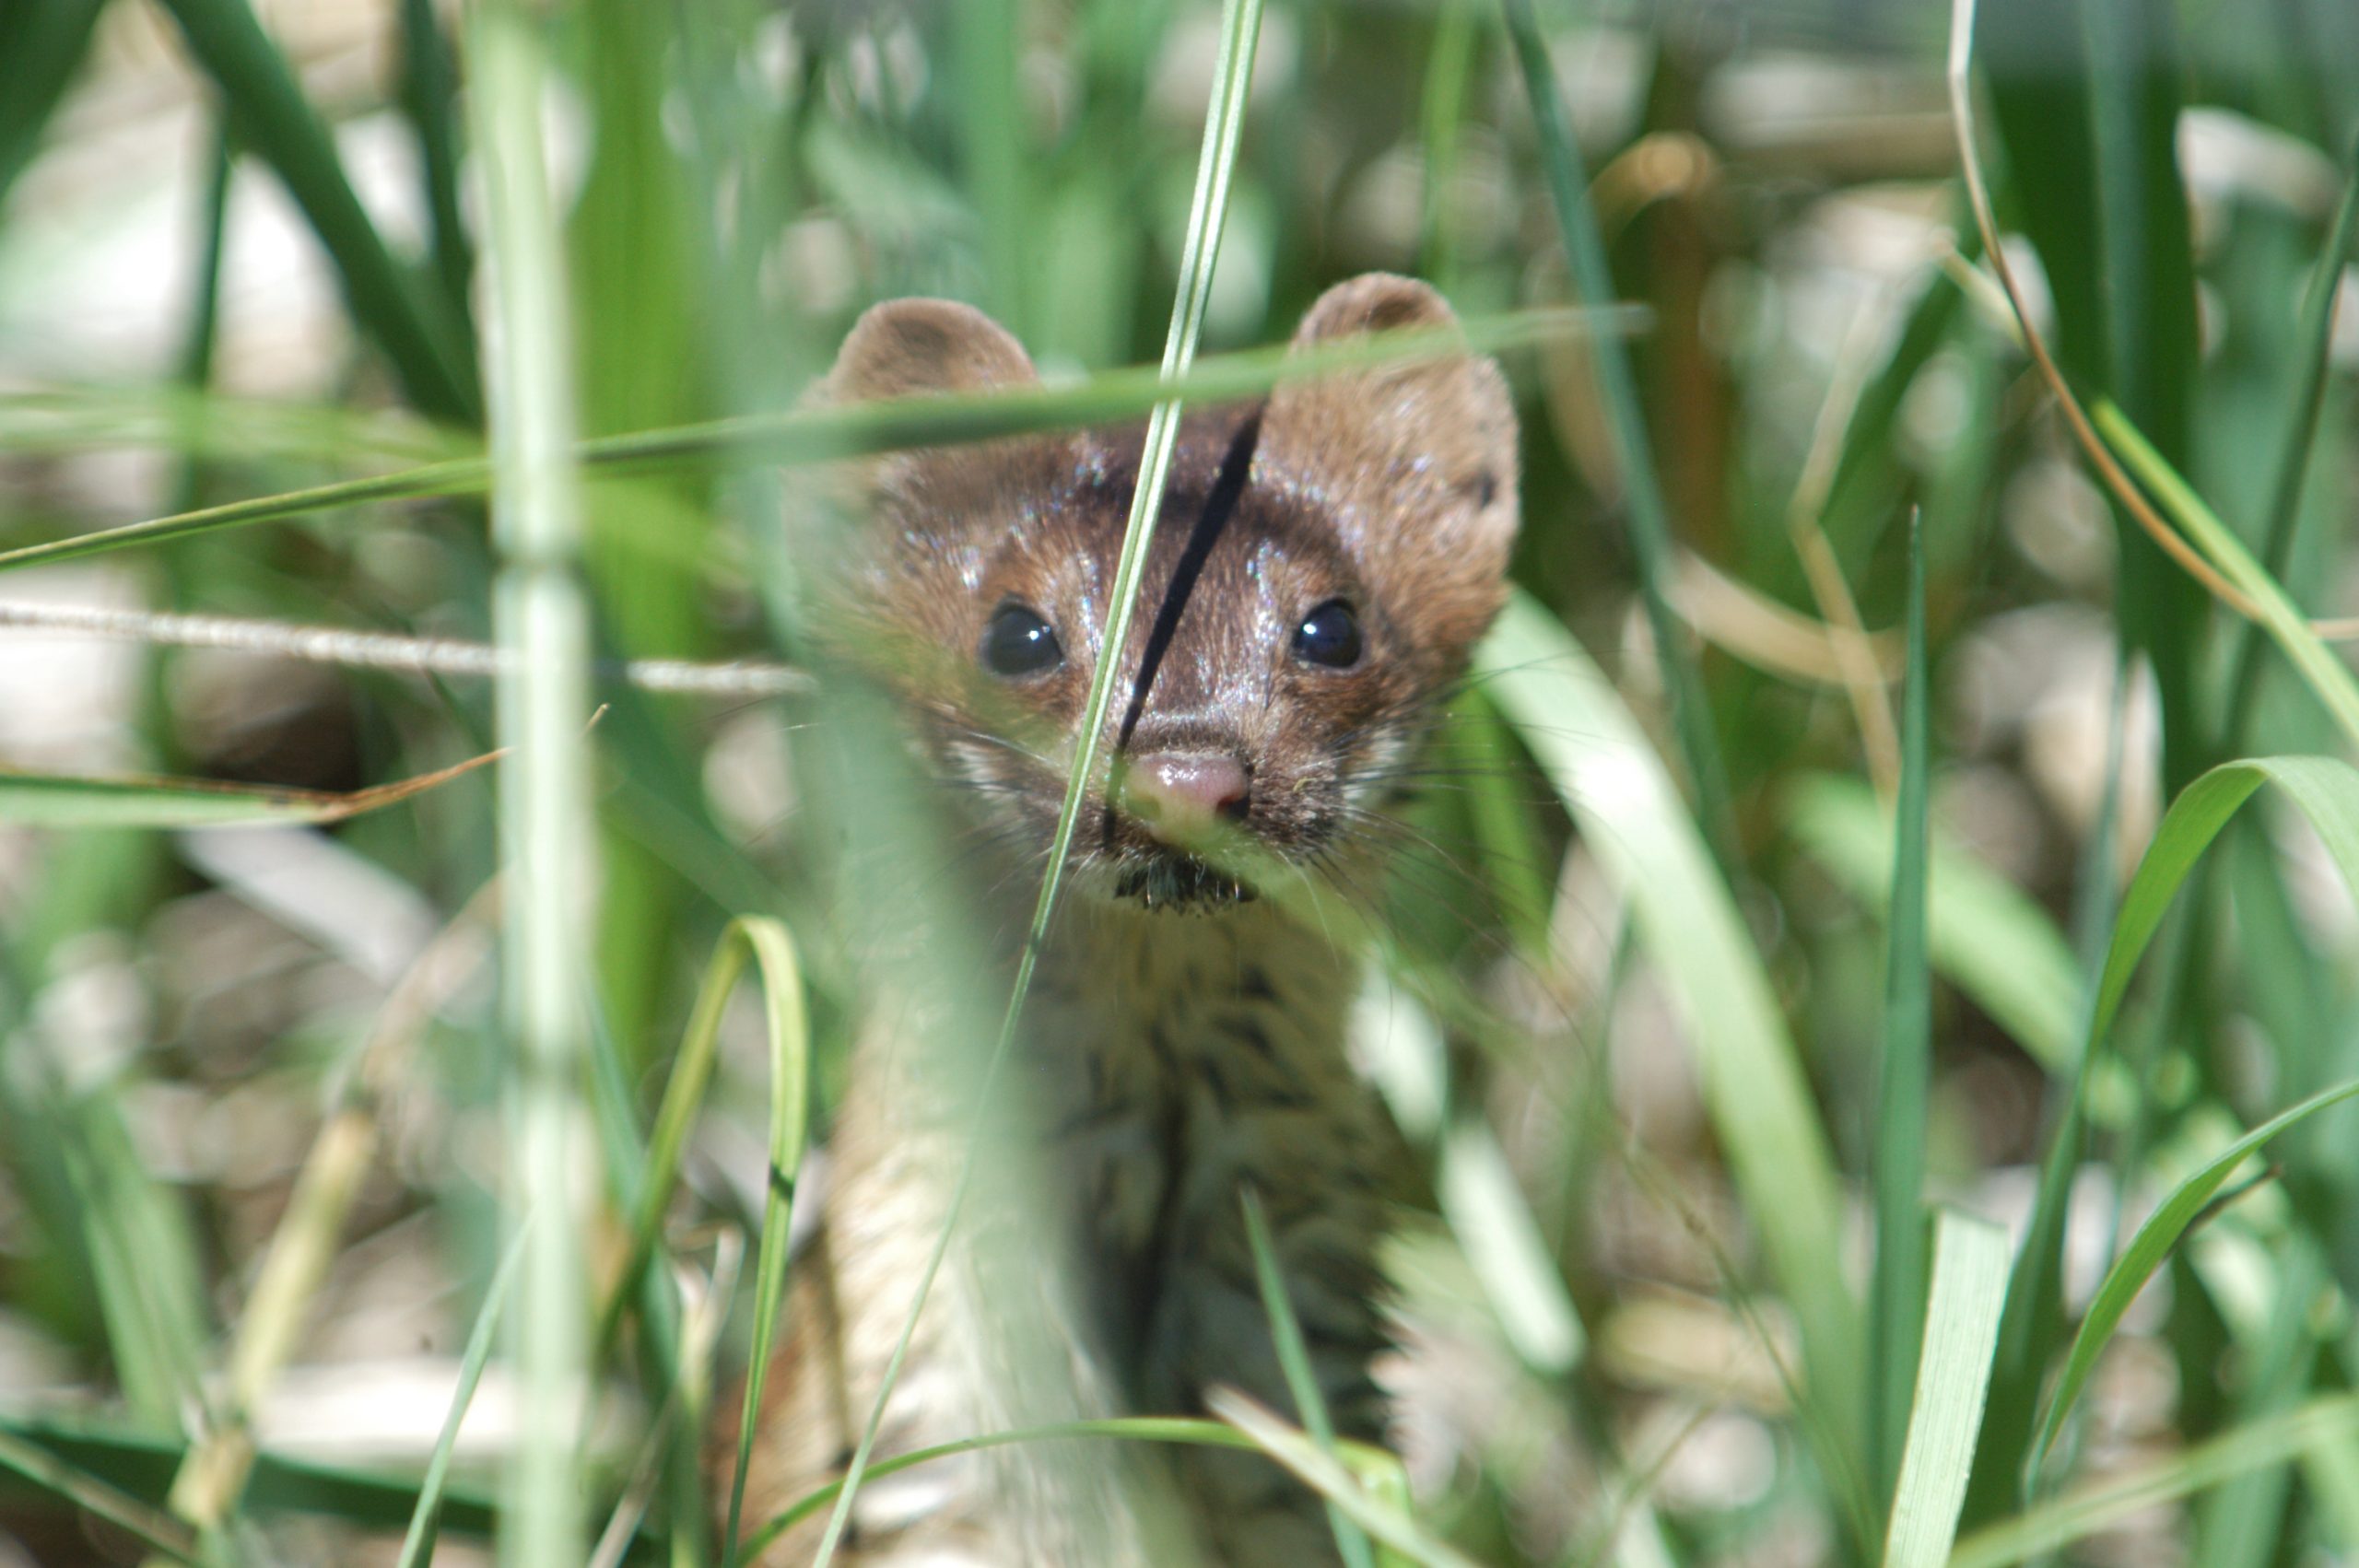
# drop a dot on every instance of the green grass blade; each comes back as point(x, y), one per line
point(1952, 1376)
point(1649, 513)
point(1896, 1288)
point(2152, 1243)
point(2143, 252)
point(1515, 862)
point(143, 1251)
point(430, 95)
point(42, 46)
point(1328, 1477)
point(638, 256)
point(544, 821)
point(266, 104)
point(1494, 1224)
point(2327, 675)
point(765, 942)
point(2040, 1531)
point(985, 57)
point(142, 1464)
point(2085, 118)
point(2242, 1524)
point(825, 434)
point(788, 1029)
point(1631, 816)
point(1984, 934)
point(194, 422)
point(676, 1355)
point(1860, 491)
point(425, 1519)
point(2327, 792)
point(2033, 1324)
point(157, 1531)
point(1302, 1382)
point(2283, 517)
point(1441, 114)
point(1240, 32)
point(1184, 1429)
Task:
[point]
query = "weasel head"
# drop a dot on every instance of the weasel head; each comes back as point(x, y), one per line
point(1321, 568)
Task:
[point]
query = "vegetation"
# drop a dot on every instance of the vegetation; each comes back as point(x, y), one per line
point(1869, 986)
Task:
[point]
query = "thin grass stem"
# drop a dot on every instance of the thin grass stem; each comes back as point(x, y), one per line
point(1240, 30)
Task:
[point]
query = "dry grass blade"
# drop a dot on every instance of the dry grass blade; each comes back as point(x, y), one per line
point(43, 801)
point(214, 1475)
point(1848, 639)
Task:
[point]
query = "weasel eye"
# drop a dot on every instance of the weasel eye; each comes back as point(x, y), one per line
point(1329, 636)
point(1018, 643)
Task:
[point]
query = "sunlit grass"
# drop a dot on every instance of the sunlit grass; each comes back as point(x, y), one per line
point(1630, 851)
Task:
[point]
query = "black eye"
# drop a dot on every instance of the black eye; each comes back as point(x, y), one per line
point(1018, 642)
point(1329, 636)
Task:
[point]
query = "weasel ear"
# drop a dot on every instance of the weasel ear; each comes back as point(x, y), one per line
point(912, 347)
point(1419, 457)
point(937, 348)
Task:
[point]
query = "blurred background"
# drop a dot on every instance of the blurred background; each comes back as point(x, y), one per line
point(238, 260)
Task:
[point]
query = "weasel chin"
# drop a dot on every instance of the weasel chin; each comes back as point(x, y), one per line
point(1182, 883)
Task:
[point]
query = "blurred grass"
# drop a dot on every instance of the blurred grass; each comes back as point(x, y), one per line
point(1896, 1301)
point(1677, 1044)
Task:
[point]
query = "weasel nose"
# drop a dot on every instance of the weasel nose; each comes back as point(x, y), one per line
point(1187, 791)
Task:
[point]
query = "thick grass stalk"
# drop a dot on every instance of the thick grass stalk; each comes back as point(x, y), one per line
point(542, 622)
point(1240, 30)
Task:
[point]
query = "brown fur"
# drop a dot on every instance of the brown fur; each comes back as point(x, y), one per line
point(1169, 1059)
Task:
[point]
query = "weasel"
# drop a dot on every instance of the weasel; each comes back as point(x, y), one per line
point(1322, 566)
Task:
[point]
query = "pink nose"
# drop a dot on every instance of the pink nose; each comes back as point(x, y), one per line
point(1187, 792)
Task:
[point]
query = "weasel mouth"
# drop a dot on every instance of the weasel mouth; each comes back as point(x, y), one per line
point(1182, 882)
